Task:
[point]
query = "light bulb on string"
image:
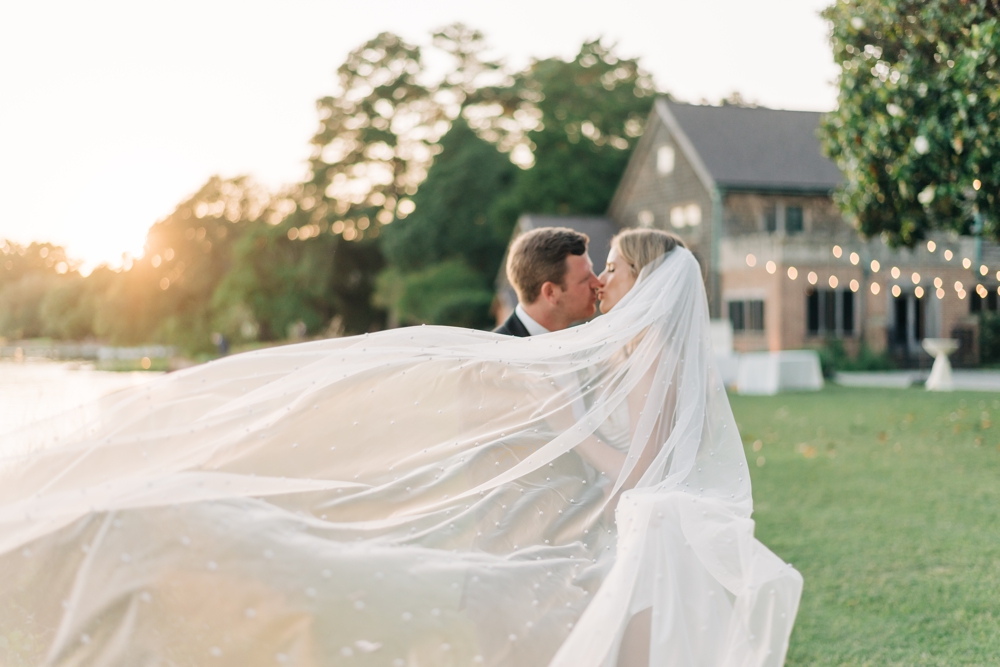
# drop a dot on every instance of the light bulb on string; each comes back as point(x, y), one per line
point(855, 258)
point(931, 246)
point(875, 288)
point(837, 251)
point(875, 266)
point(793, 273)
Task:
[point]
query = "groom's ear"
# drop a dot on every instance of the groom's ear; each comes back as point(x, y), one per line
point(549, 292)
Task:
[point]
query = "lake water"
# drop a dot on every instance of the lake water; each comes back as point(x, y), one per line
point(32, 391)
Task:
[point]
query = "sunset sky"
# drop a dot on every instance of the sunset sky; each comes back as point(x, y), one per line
point(112, 112)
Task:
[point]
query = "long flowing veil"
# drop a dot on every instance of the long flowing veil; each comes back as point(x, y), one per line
point(420, 496)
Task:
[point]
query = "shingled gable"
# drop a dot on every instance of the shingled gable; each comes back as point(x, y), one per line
point(751, 149)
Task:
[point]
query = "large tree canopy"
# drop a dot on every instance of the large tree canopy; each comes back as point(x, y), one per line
point(589, 114)
point(453, 225)
point(915, 131)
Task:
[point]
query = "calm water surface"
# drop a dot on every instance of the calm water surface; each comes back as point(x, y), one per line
point(33, 392)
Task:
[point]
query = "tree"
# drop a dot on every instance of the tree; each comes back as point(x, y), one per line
point(451, 229)
point(279, 277)
point(28, 275)
point(585, 116)
point(376, 138)
point(166, 295)
point(915, 128)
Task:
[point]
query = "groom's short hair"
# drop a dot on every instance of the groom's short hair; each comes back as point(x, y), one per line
point(539, 256)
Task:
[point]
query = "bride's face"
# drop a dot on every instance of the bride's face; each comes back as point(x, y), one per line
point(616, 281)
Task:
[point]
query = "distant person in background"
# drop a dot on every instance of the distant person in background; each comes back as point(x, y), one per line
point(221, 343)
point(554, 280)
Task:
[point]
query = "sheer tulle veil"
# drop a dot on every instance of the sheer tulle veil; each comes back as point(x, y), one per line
point(420, 496)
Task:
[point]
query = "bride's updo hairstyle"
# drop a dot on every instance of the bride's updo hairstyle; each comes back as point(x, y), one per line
point(639, 247)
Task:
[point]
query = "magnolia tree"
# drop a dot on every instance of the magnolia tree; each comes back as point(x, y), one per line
point(917, 128)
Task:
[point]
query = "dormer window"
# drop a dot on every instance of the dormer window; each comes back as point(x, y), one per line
point(665, 160)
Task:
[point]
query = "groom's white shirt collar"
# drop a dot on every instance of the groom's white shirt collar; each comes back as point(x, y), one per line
point(533, 327)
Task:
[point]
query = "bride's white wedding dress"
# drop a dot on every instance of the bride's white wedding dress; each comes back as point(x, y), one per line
point(421, 496)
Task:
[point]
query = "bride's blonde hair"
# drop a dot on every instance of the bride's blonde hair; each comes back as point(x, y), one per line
point(639, 247)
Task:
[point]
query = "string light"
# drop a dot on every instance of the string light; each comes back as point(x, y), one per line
point(837, 251)
point(751, 261)
point(919, 292)
point(966, 263)
point(896, 291)
point(938, 282)
point(875, 266)
point(875, 288)
point(834, 282)
point(771, 267)
point(855, 258)
point(931, 246)
point(940, 293)
point(958, 286)
point(915, 277)
point(983, 270)
point(981, 291)
point(948, 254)
point(895, 272)
point(855, 286)
point(812, 278)
point(793, 273)
point(976, 184)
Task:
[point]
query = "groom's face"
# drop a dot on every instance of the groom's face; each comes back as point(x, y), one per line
point(578, 298)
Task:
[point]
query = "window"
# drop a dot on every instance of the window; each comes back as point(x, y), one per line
point(685, 216)
point(793, 219)
point(978, 304)
point(747, 315)
point(771, 218)
point(830, 312)
point(665, 160)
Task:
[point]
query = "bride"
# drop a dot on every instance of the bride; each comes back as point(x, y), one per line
point(420, 496)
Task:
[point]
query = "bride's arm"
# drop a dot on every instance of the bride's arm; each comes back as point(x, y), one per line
point(601, 456)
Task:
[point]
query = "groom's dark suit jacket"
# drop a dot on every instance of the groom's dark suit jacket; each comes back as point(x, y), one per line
point(512, 327)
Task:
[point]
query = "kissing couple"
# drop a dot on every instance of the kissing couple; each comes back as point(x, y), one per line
point(419, 496)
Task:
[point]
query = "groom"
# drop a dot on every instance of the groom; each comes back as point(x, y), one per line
point(554, 280)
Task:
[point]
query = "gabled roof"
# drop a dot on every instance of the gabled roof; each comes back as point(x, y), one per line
point(752, 148)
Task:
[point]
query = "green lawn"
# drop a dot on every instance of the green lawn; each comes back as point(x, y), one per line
point(888, 503)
